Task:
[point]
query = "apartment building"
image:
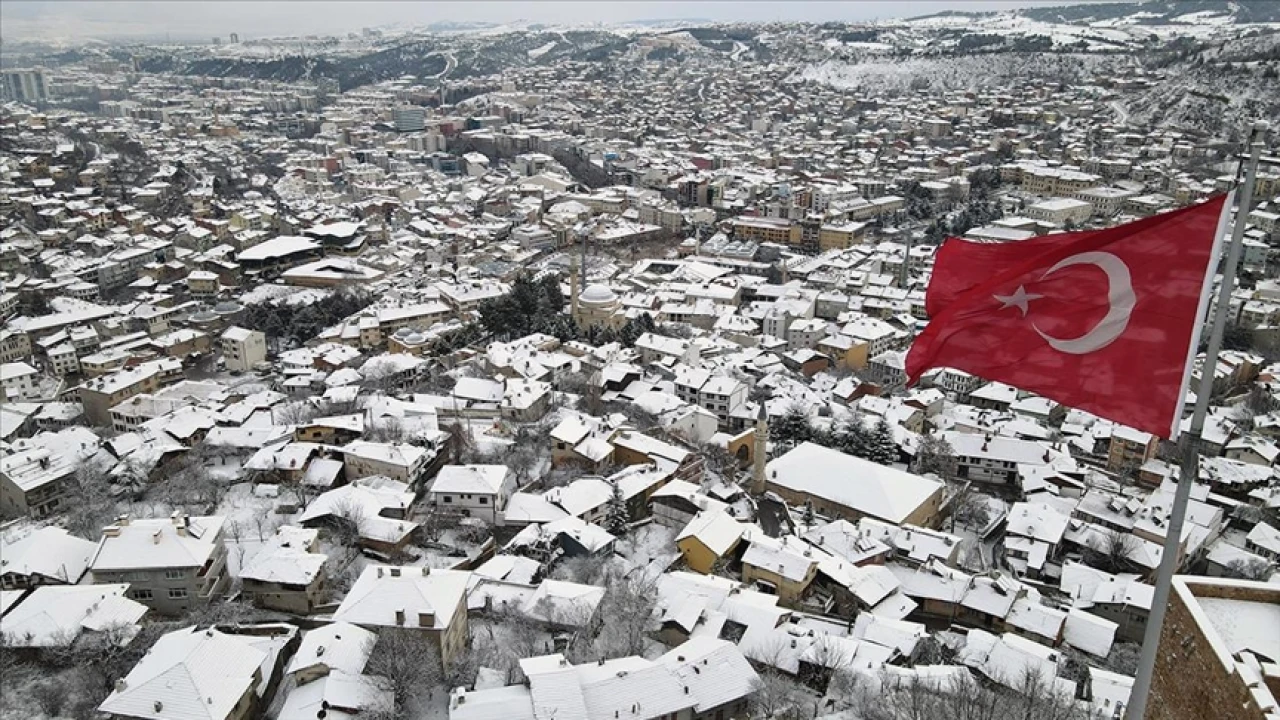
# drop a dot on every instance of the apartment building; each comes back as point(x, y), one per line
point(172, 564)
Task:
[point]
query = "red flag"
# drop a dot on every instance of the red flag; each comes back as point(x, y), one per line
point(1105, 321)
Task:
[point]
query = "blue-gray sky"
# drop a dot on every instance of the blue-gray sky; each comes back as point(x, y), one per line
point(62, 18)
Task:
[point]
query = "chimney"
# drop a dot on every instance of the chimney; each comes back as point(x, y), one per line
point(155, 537)
point(426, 619)
point(426, 571)
point(111, 531)
point(400, 616)
point(175, 517)
point(123, 520)
point(182, 531)
point(121, 685)
point(158, 706)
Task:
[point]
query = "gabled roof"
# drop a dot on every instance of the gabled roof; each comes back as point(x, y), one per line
point(50, 552)
point(188, 674)
point(54, 615)
point(381, 591)
point(338, 646)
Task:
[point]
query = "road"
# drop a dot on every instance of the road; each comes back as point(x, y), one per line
point(1122, 115)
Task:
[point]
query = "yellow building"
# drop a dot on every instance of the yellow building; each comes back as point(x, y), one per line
point(778, 569)
point(712, 535)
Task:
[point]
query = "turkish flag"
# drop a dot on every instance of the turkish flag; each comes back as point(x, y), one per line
point(1106, 320)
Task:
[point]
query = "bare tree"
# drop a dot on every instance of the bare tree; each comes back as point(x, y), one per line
point(1114, 552)
point(93, 507)
point(626, 610)
point(408, 665)
point(1250, 569)
point(968, 506)
point(775, 696)
point(347, 522)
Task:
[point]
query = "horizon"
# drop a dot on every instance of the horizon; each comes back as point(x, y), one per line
point(36, 20)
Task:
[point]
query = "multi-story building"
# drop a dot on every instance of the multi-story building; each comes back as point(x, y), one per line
point(172, 564)
point(19, 381)
point(25, 85)
point(1130, 449)
point(415, 599)
point(242, 349)
point(99, 395)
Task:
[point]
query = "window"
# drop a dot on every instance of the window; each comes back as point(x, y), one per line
point(140, 594)
point(448, 498)
point(174, 574)
point(177, 592)
point(484, 500)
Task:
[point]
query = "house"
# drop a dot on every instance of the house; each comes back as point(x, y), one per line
point(242, 349)
point(785, 567)
point(479, 491)
point(19, 381)
point(55, 615)
point(333, 647)
point(286, 573)
point(717, 674)
point(1033, 536)
point(376, 506)
point(171, 564)
point(713, 680)
point(995, 459)
point(1264, 540)
point(709, 538)
point(191, 668)
point(1130, 449)
point(840, 485)
point(338, 696)
point(47, 556)
point(418, 599)
point(399, 461)
point(36, 474)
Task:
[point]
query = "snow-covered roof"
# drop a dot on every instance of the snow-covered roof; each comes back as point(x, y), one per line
point(864, 486)
point(49, 552)
point(338, 646)
point(286, 558)
point(54, 615)
point(478, 479)
point(425, 597)
point(177, 542)
point(188, 674)
point(714, 670)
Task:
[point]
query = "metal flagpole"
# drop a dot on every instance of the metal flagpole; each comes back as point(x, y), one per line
point(1190, 457)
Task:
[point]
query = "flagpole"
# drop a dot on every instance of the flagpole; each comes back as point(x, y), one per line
point(1190, 441)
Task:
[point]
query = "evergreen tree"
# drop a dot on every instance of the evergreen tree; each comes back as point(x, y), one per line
point(617, 519)
point(935, 455)
point(853, 438)
point(883, 449)
point(791, 429)
point(809, 515)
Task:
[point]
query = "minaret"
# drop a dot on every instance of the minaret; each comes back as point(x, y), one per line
point(573, 288)
point(758, 455)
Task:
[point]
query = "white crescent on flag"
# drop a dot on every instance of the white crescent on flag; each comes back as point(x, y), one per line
point(1120, 297)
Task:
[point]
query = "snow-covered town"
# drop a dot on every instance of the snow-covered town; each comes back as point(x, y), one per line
point(542, 372)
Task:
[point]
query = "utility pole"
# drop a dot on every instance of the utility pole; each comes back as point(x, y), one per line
point(1191, 440)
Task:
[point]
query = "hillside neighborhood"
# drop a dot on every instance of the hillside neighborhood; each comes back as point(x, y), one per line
point(574, 387)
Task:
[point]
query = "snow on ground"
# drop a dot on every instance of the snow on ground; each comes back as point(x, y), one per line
point(649, 548)
point(251, 520)
point(290, 295)
point(542, 50)
point(1238, 622)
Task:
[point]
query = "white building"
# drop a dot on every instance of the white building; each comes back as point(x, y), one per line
point(20, 381)
point(479, 491)
point(242, 349)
